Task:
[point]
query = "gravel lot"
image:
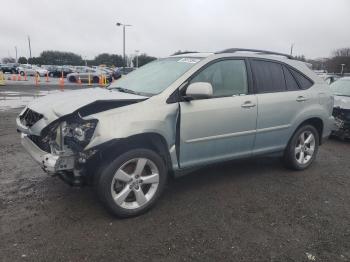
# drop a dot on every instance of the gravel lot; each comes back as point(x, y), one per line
point(252, 210)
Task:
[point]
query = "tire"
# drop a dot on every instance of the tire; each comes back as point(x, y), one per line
point(299, 155)
point(95, 80)
point(22, 73)
point(72, 79)
point(135, 192)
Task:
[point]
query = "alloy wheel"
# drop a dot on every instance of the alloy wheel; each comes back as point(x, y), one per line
point(305, 147)
point(135, 183)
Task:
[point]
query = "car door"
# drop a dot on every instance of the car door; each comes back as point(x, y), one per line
point(222, 127)
point(280, 99)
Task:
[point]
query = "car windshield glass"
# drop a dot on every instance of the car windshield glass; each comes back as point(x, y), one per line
point(155, 77)
point(341, 87)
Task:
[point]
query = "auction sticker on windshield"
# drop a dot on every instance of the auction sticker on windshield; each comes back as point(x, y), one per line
point(189, 60)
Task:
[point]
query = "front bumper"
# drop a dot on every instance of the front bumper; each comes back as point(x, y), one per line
point(49, 162)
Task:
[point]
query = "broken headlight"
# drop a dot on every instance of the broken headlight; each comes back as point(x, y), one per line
point(77, 134)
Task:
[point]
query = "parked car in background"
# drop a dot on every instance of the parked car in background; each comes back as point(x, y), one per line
point(197, 109)
point(57, 71)
point(84, 75)
point(41, 71)
point(341, 111)
point(26, 69)
point(120, 71)
point(330, 78)
point(9, 68)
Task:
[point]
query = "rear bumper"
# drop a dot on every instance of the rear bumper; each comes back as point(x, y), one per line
point(49, 162)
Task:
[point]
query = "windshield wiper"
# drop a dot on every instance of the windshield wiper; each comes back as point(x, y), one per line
point(124, 90)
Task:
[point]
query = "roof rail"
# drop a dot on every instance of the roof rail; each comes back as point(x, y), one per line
point(233, 50)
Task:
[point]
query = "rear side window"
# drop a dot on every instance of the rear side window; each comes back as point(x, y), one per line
point(291, 83)
point(268, 76)
point(303, 82)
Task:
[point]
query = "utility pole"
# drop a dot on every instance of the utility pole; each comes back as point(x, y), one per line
point(16, 53)
point(30, 48)
point(124, 57)
point(291, 49)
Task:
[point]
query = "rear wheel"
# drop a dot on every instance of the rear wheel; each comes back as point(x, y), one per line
point(131, 184)
point(302, 148)
point(95, 79)
point(22, 73)
point(72, 79)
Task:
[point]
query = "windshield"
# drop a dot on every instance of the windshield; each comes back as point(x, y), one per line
point(155, 77)
point(341, 87)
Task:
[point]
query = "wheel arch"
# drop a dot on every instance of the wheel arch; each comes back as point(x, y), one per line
point(113, 148)
point(316, 122)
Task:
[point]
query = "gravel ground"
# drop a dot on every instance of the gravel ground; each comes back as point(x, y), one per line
point(252, 210)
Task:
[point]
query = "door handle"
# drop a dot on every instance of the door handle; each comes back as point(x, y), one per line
point(248, 104)
point(301, 99)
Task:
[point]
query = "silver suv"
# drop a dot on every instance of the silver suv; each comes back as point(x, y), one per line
point(175, 114)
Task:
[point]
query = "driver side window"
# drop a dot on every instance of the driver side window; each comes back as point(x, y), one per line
point(227, 77)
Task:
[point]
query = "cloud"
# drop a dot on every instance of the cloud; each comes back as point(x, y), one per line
point(161, 27)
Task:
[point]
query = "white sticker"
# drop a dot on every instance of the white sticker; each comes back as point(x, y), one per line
point(189, 60)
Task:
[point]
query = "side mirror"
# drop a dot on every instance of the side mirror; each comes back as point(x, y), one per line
point(199, 90)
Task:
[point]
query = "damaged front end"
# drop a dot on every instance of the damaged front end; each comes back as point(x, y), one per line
point(342, 122)
point(59, 149)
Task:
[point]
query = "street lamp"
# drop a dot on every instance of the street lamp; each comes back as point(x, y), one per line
point(342, 69)
point(124, 25)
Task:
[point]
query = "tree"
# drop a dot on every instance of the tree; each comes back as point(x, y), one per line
point(22, 60)
point(143, 59)
point(35, 61)
point(60, 58)
point(108, 59)
point(8, 60)
point(339, 57)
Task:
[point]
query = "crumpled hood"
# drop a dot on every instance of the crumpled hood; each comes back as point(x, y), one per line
point(85, 101)
point(342, 102)
point(67, 102)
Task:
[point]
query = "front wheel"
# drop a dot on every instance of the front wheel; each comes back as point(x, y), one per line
point(131, 184)
point(302, 148)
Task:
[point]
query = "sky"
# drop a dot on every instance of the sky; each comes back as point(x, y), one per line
point(161, 27)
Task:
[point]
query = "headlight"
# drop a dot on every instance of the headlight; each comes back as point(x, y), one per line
point(77, 133)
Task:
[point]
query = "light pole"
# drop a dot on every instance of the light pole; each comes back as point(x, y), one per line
point(291, 49)
point(124, 25)
point(342, 69)
point(137, 58)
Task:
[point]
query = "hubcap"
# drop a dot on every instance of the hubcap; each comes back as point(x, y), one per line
point(305, 147)
point(135, 183)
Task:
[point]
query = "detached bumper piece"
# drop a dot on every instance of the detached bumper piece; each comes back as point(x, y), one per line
point(50, 163)
point(342, 122)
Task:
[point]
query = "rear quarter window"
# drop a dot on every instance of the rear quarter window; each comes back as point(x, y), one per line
point(303, 81)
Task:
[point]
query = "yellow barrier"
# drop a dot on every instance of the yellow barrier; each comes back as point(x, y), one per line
point(2, 79)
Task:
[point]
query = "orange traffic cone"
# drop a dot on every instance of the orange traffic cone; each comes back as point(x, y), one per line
point(100, 80)
point(25, 77)
point(13, 77)
point(62, 83)
point(47, 77)
point(79, 81)
point(19, 78)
